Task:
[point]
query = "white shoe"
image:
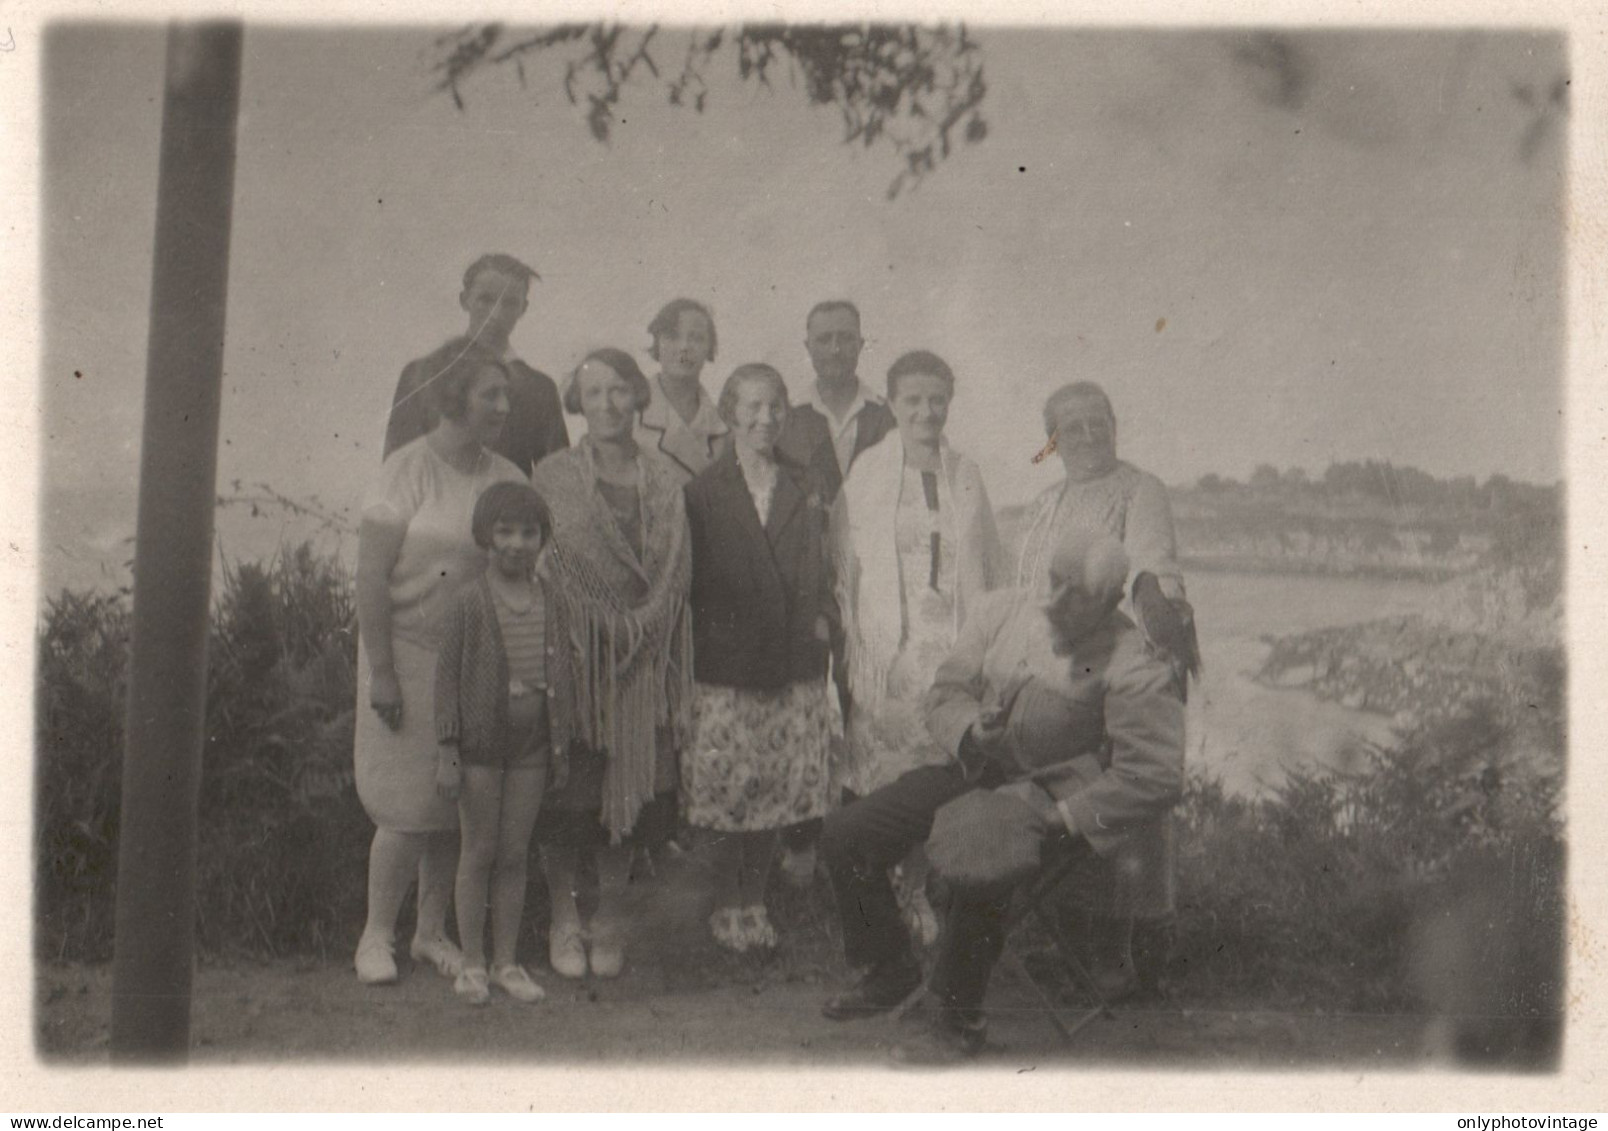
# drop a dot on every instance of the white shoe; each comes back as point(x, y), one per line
point(376, 961)
point(446, 958)
point(757, 929)
point(517, 984)
point(566, 952)
point(726, 925)
point(607, 955)
point(471, 985)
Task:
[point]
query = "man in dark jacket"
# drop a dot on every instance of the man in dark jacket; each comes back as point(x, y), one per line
point(1068, 735)
point(496, 293)
point(850, 417)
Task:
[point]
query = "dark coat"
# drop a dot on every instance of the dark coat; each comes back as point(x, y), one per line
point(806, 439)
point(535, 427)
point(757, 591)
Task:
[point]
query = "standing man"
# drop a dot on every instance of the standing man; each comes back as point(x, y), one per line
point(496, 293)
point(851, 418)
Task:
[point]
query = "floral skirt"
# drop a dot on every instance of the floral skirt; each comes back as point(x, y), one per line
point(759, 759)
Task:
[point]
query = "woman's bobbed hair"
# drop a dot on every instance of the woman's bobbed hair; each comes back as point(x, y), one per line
point(669, 317)
point(509, 501)
point(924, 362)
point(453, 368)
point(619, 361)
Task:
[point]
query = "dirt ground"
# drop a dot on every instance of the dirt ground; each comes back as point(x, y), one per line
point(681, 1000)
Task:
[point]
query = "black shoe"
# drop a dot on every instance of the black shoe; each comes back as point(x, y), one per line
point(939, 1039)
point(879, 991)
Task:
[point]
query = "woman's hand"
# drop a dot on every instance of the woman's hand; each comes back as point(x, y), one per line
point(449, 774)
point(385, 696)
point(823, 629)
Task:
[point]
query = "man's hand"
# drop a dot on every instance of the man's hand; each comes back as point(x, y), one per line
point(1040, 802)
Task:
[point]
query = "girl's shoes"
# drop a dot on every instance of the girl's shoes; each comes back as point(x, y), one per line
point(472, 985)
point(438, 952)
point(517, 984)
point(727, 926)
point(566, 952)
point(757, 929)
point(376, 961)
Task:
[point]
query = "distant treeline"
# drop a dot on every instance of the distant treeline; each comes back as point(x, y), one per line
point(1390, 484)
point(1367, 517)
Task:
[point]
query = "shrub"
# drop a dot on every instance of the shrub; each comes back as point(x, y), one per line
point(281, 838)
point(79, 702)
point(1311, 895)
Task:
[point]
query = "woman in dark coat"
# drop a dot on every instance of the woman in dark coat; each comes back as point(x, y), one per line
point(761, 616)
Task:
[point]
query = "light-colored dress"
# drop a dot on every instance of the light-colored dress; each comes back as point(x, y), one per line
point(1126, 503)
point(886, 521)
point(892, 740)
point(434, 502)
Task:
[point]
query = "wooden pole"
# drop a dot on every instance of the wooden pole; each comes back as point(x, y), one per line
point(156, 868)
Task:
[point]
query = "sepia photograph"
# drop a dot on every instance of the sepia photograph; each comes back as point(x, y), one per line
point(837, 547)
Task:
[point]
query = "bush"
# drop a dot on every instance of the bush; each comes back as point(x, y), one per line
point(281, 838)
point(1311, 897)
point(79, 702)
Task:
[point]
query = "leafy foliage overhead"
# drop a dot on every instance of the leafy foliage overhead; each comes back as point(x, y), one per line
point(916, 88)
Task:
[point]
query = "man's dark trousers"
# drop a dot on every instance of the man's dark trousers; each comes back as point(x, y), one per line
point(864, 840)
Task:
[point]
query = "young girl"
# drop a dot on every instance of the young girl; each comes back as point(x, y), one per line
point(504, 716)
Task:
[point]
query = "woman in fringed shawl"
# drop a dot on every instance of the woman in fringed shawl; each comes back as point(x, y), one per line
point(916, 546)
point(623, 562)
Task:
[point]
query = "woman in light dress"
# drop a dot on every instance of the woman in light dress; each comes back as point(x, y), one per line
point(915, 546)
point(415, 552)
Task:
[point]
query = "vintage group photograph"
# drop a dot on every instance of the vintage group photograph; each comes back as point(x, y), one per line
point(827, 545)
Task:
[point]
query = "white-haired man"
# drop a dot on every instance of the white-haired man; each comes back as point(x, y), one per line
point(1067, 732)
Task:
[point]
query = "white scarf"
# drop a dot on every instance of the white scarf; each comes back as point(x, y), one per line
point(867, 555)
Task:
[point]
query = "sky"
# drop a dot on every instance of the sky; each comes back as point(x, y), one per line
point(1349, 250)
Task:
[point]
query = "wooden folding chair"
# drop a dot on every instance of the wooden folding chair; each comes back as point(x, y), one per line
point(1029, 900)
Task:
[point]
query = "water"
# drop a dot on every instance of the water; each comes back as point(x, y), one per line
point(1248, 735)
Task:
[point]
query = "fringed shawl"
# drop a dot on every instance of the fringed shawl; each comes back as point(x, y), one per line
point(630, 618)
point(866, 557)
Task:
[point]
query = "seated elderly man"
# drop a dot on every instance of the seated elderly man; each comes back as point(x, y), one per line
point(1068, 736)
